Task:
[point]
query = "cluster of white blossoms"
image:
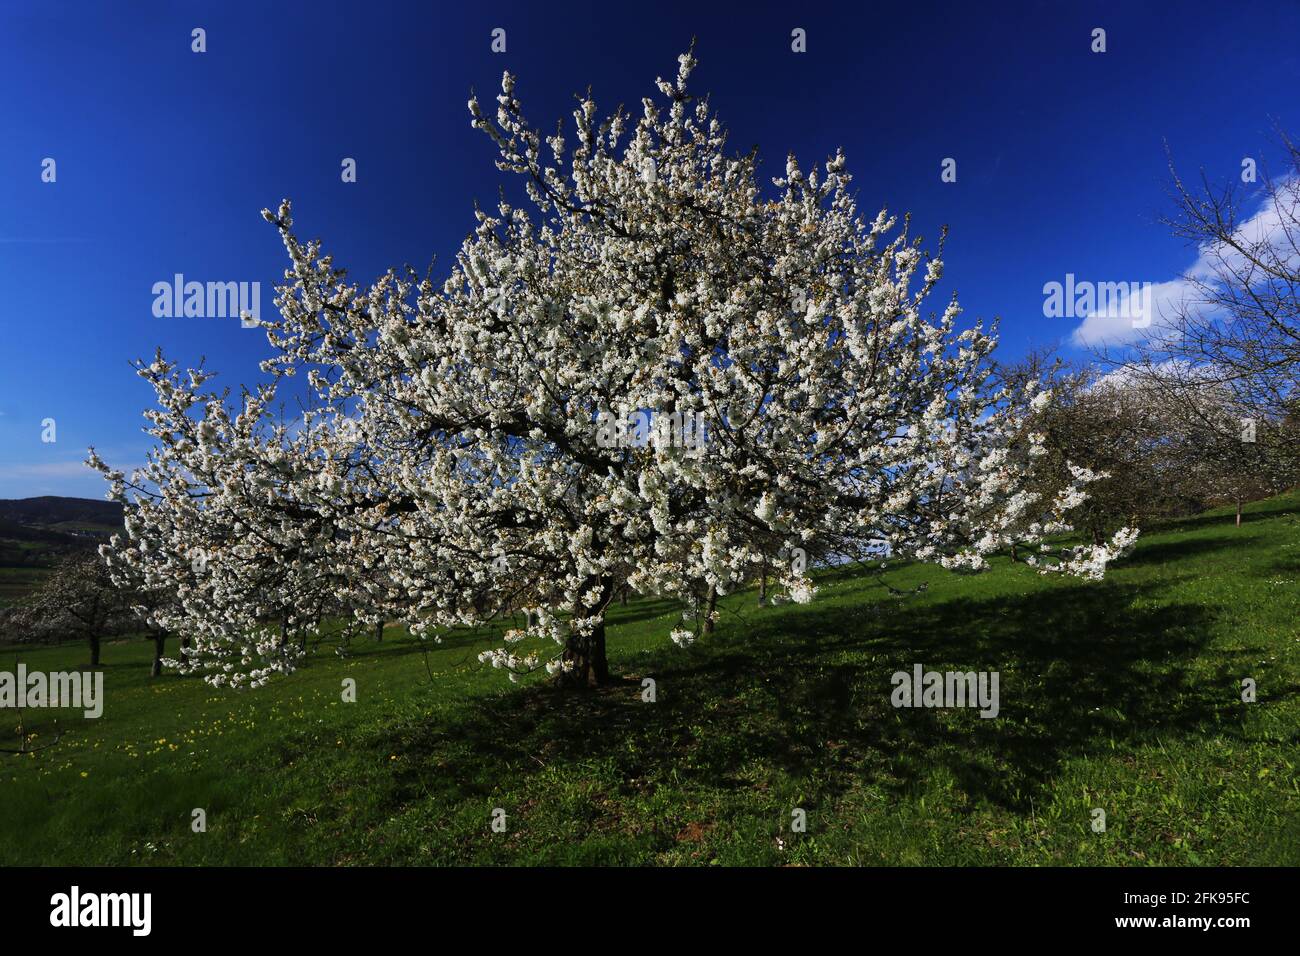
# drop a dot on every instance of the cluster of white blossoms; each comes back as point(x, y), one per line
point(682, 637)
point(1085, 562)
point(450, 473)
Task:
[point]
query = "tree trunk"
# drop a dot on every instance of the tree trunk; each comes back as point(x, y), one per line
point(1238, 512)
point(589, 667)
point(762, 584)
point(159, 642)
point(379, 632)
point(708, 613)
point(585, 655)
point(94, 650)
point(1013, 551)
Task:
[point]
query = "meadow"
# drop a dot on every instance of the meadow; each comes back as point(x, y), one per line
point(1122, 695)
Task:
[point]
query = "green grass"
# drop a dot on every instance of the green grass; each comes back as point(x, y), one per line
point(1121, 695)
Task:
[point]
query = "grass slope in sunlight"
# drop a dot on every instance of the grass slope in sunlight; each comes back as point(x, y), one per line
point(1122, 695)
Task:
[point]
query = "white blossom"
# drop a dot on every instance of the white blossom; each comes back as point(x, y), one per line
point(453, 422)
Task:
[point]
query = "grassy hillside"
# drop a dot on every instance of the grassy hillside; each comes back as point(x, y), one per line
point(1122, 695)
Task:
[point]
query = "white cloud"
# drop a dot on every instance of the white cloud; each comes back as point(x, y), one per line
point(1116, 325)
point(46, 469)
point(1269, 231)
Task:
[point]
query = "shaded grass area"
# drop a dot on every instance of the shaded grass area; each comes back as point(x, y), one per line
point(1122, 695)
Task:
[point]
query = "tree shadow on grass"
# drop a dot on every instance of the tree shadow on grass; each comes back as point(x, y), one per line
point(1169, 552)
point(1285, 565)
point(642, 610)
point(1226, 518)
point(807, 691)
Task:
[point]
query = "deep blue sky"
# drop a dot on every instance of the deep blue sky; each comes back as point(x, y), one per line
point(165, 156)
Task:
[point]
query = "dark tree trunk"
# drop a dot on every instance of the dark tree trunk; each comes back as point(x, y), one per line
point(379, 632)
point(708, 613)
point(589, 667)
point(585, 655)
point(159, 643)
point(762, 584)
point(94, 650)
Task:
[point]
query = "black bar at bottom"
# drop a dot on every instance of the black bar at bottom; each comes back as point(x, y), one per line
point(331, 906)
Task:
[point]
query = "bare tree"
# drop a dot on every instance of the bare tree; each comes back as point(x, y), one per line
point(1235, 329)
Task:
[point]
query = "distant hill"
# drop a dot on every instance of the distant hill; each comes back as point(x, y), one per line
point(38, 533)
point(35, 534)
point(66, 513)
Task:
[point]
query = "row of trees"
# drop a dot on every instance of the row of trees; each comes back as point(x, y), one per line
point(1167, 447)
point(451, 469)
point(80, 600)
point(83, 600)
